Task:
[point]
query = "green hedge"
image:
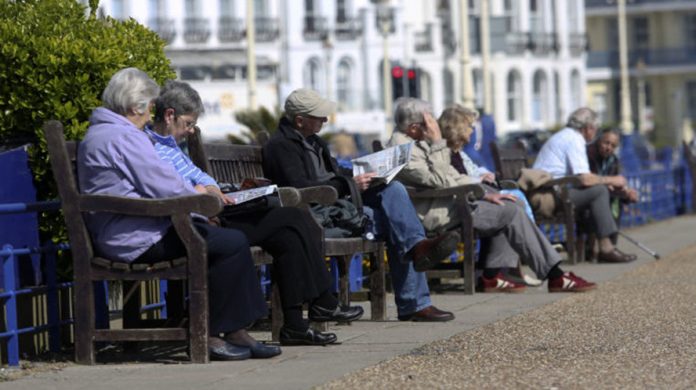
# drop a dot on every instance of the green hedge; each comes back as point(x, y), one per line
point(55, 60)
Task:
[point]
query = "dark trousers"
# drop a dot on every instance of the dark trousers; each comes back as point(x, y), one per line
point(594, 200)
point(234, 292)
point(298, 260)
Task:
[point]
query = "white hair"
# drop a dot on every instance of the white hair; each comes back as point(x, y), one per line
point(129, 89)
point(583, 117)
point(408, 111)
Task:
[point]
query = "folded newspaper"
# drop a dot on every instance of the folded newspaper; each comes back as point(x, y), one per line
point(386, 163)
point(239, 197)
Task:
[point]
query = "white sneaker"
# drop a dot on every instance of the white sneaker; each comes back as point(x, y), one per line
point(531, 280)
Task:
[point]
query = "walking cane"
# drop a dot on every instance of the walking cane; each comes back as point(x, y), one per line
point(641, 246)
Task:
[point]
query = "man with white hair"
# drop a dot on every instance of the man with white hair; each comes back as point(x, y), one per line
point(564, 154)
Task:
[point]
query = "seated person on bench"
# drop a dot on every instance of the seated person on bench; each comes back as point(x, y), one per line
point(116, 157)
point(497, 217)
point(565, 154)
point(296, 156)
point(284, 232)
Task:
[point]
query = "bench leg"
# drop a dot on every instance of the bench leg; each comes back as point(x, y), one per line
point(84, 321)
point(378, 295)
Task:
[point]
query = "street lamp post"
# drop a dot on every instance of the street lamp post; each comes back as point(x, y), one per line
point(251, 56)
point(626, 122)
point(465, 55)
point(384, 21)
point(640, 77)
point(485, 59)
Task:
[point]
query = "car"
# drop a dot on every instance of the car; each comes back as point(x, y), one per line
point(531, 140)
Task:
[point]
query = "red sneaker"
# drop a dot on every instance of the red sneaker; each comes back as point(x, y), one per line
point(570, 283)
point(498, 284)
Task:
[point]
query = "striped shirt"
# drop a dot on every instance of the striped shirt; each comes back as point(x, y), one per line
point(170, 152)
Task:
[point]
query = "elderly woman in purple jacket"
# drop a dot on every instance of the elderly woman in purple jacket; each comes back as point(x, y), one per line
point(117, 158)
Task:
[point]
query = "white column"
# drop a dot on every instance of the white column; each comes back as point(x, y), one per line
point(626, 123)
point(465, 55)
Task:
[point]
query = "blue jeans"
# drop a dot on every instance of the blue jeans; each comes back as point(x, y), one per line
point(396, 220)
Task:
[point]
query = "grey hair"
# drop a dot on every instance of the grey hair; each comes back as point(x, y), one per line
point(583, 117)
point(409, 110)
point(179, 96)
point(129, 89)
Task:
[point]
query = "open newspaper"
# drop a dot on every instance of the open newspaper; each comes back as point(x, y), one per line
point(386, 163)
point(239, 197)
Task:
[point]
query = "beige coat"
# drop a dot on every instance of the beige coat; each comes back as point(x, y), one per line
point(430, 167)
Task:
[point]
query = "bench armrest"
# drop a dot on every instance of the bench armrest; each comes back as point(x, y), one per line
point(469, 190)
point(325, 195)
point(572, 181)
point(208, 205)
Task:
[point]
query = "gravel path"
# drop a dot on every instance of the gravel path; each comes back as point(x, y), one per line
point(637, 331)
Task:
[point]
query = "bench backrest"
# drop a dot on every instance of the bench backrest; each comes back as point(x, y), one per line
point(63, 156)
point(508, 161)
point(226, 163)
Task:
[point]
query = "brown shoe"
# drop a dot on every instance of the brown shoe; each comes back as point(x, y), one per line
point(615, 256)
point(430, 251)
point(429, 314)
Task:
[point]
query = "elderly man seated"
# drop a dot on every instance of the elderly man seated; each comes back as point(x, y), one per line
point(565, 154)
point(497, 218)
point(296, 156)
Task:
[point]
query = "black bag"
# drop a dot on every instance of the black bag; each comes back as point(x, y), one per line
point(341, 219)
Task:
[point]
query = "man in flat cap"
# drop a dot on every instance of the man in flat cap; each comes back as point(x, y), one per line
point(296, 156)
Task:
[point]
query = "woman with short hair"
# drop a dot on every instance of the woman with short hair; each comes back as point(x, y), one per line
point(116, 157)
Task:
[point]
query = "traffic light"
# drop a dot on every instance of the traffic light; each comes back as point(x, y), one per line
point(412, 82)
point(397, 73)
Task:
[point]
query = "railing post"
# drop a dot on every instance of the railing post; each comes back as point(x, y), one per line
point(52, 297)
point(9, 268)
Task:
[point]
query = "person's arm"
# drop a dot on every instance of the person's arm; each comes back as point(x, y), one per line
point(140, 164)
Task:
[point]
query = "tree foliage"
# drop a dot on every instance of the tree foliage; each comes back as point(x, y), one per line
point(256, 121)
point(55, 60)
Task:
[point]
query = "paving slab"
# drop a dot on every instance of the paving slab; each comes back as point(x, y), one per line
point(363, 344)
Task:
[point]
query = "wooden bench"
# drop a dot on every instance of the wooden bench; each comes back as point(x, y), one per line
point(461, 196)
point(508, 165)
point(88, 268)
point(230, 163)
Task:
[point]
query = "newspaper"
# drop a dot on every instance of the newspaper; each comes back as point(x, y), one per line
point(239, 197)
point(386, 163)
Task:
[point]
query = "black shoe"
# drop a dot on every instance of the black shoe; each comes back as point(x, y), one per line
point(229, 351)
point(430, 251)
point(342, 313)
point(289, 336)
point(261, 351)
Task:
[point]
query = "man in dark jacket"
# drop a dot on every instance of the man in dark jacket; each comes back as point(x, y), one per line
point(295, 156)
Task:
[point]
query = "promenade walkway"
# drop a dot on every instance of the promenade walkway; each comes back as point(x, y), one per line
point(636, 330)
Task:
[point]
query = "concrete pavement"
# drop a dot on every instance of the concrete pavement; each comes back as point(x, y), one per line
point(364, 343)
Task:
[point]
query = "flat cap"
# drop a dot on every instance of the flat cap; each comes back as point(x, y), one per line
point(305, 101)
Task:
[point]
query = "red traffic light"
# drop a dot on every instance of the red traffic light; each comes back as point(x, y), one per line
point(411, 74)
point(397, 72)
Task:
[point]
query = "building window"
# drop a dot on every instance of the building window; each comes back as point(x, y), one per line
point(310, 8)
point(260, 8)
point(558, 118)
point(312, 74)
point(514, 96)
point(690, 29)
point(156, 9)
point(572, 11)
point(192, 8)
point(510, 9)
point(341, 10)
point(478, 88)
point(539, 97)
point(599, 105)
point(344, 85)
point(536, 20)
point(575, 90)
point(691, 100)
point(227, 8)
point(641, 35)
point(448, 79)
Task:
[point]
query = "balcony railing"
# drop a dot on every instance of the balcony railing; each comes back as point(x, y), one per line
point(516, 42)
point(231, 29)
point(423, 40)
point(662, 57)
point(266, 29)
point(164, 28)
point(348, 29)
point(196, 30)
point(577, 43)
point(541, 42)
point(315, 28)
point(612, 3)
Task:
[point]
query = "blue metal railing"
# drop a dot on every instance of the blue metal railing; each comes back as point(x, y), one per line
point(12, 289)
point(673, 56)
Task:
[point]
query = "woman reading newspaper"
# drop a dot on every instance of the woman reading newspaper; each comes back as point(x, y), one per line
point(298, 262)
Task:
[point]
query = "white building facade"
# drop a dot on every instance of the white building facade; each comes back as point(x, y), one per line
point(537, 65)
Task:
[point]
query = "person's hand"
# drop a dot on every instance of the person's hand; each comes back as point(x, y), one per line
point(498, 198)
point(200, 188)
point(488, 177)
point(432, 132)
point(214, 221)
point(363, 181)
point(631, 195)
point(213, 190)
point(618, 182)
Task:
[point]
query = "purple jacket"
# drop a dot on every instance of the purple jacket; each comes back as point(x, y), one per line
point(117, 158)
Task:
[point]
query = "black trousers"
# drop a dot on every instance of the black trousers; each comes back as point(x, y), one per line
point(235, 299)
point(298, 260)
